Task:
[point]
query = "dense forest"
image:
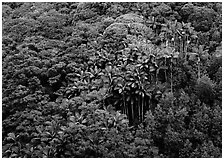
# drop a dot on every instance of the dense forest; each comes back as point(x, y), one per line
point(111, 79)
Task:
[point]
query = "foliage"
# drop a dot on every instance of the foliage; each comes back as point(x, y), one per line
point(108, 79)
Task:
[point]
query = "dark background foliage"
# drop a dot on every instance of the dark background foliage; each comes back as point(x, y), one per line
point(112, 79)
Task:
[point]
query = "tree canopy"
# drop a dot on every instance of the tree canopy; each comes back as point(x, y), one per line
point(111, 79)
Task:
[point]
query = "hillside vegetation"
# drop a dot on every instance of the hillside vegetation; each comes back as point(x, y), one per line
point(122, 80)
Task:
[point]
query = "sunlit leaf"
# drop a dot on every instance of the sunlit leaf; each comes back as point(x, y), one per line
point(11, 135)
